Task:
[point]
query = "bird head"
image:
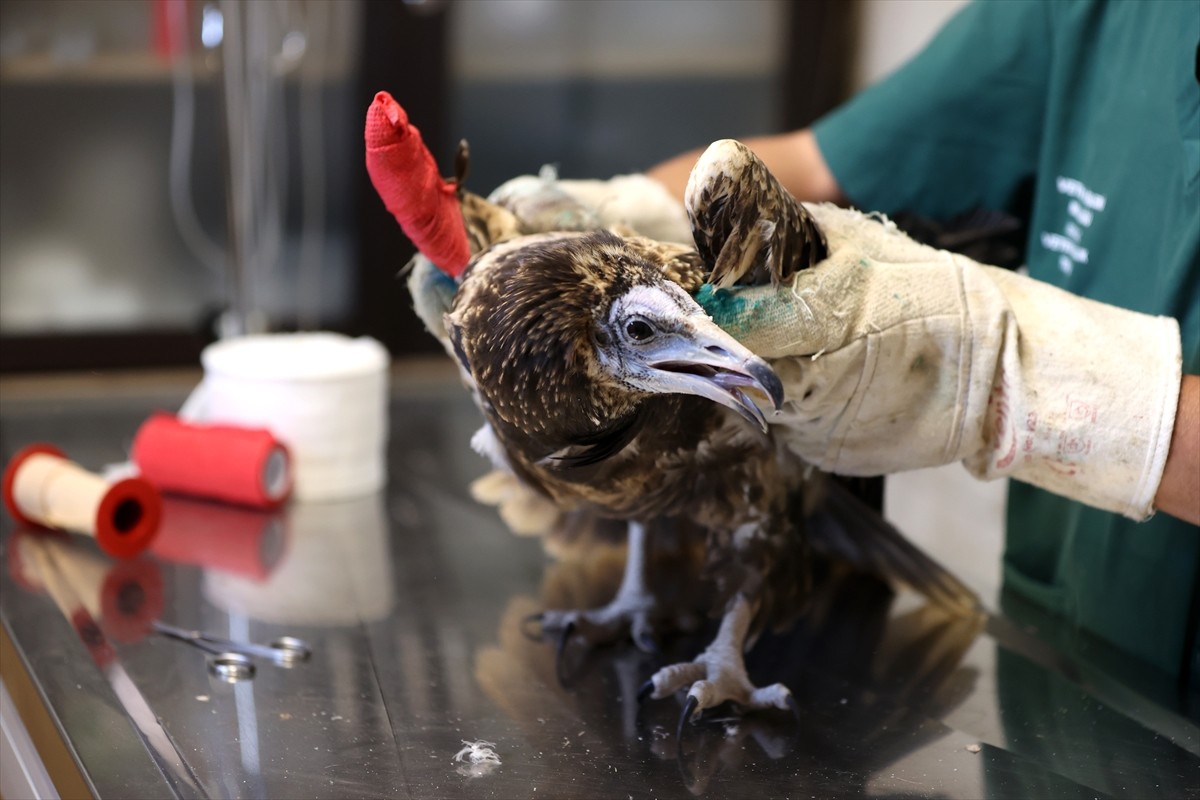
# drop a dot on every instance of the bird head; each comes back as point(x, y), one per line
point(566, 336)
point(656, 339)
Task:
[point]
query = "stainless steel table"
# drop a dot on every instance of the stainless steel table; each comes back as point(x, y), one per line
point(412, 602)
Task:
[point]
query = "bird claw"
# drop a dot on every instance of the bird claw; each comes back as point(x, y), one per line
point(718, 675)
point(597, 626)
point(560, 650)
point(704, 695)
point(691, 710)
point(795, 707)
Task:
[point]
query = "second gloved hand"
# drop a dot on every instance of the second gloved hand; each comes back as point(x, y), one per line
point(898, 356)
point(544, 203)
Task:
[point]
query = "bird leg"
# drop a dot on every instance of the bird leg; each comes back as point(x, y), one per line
point(629, 610)
point(719, 674)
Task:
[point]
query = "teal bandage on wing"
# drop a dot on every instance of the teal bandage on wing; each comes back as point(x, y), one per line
point(741, 311)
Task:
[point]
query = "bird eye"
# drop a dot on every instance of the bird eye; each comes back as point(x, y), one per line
point(639, 330)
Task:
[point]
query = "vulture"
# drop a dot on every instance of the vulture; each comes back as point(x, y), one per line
point(606, 388)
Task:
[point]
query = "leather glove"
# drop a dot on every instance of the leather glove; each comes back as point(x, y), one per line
point(897, 356)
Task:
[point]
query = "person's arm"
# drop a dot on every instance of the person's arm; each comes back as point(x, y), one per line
point(794, 158)
point(1179, 491)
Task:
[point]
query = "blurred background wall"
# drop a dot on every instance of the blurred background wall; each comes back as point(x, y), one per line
point(174, 169)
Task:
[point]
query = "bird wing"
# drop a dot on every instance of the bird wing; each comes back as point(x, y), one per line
point(747, 227)
point(487, 223)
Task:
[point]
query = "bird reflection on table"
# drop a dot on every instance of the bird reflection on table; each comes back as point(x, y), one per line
point(872, 671)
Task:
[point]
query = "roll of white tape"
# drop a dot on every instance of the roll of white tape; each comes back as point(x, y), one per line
point(324, 395)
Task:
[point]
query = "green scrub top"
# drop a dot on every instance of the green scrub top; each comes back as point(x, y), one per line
point(1095, 107)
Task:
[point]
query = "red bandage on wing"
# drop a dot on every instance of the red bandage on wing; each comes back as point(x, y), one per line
point(406, 177)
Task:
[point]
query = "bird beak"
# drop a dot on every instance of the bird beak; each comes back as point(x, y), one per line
point(706, 361)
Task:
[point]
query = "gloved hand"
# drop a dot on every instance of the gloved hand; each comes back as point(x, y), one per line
point(897, 356)
point(544, 203)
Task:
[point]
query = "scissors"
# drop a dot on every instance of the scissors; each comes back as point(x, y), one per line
point(284, 651)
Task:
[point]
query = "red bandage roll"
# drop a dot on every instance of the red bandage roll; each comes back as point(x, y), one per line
point(238, 540)
point(42, 488)
point(223, 462)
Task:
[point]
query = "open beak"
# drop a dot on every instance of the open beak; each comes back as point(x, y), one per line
point(706, 361)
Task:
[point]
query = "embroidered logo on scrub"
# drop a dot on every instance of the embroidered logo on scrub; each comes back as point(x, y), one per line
point(1082, 207)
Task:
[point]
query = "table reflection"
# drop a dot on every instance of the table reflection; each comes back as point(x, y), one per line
point(335, 570)
point(413, 602)
point(100, 597)
point(220, 537)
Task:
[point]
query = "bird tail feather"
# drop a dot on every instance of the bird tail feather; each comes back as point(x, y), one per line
point(850, 529)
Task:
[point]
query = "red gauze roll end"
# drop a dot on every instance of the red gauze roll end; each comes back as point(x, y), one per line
point(128, 518)
point(246, 466)
point(407, 179)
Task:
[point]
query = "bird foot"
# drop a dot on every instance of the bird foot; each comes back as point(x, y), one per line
point(629, 612)
point(718, 675)
point(599, 626)
point(605, 625)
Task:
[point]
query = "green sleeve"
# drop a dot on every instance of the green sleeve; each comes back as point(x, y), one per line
point(958, 127)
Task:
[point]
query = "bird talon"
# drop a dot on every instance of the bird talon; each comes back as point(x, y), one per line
point(795, 707)
point(560, 651)
point(689, 709)
point(645, 692)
